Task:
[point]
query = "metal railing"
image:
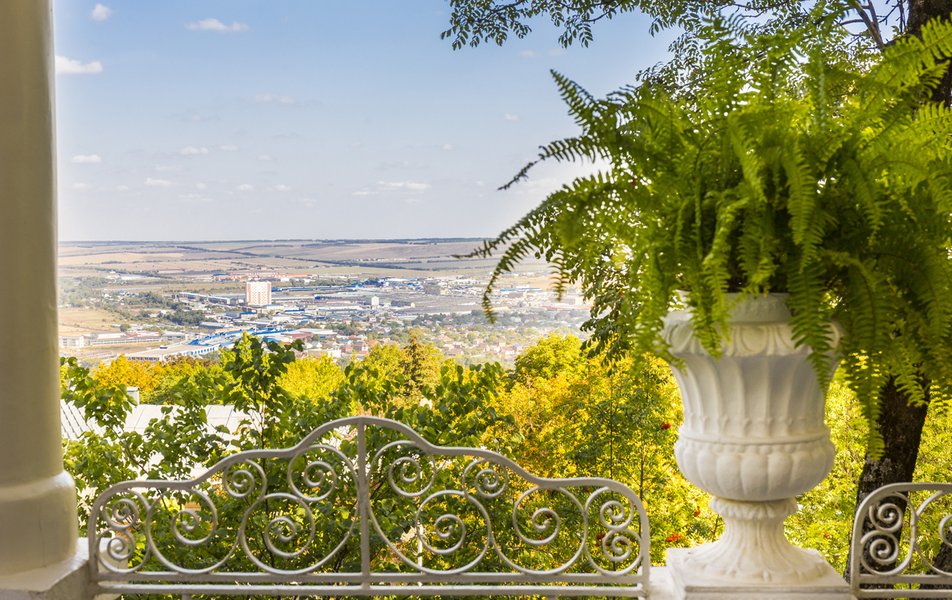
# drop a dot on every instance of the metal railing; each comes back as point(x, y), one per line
point(902, 542)
point(364, 506)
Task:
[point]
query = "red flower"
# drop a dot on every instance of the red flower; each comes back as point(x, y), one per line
point(697, 512)
point(666, 425)
point(674, 538)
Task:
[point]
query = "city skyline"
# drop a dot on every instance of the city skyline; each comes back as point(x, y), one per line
point(225, 119)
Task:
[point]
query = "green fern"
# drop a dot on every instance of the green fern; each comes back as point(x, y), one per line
point(779, 170)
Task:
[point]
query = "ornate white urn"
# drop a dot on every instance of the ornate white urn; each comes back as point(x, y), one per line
point(754, 437)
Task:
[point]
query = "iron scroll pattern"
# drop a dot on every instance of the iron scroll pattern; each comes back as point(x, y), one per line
point(365, 506)
point(902, 542)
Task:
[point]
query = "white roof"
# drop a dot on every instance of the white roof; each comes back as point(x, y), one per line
point(73, 425)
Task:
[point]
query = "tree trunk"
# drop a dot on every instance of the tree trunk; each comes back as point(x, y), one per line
point(899, 423)
point(920, 12)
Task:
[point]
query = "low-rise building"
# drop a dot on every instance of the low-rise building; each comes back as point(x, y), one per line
point(164, 353)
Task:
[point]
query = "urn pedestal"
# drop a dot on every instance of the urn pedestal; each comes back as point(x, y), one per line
point(754, 437)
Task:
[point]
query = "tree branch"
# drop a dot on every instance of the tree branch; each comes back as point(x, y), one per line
point(872, 25)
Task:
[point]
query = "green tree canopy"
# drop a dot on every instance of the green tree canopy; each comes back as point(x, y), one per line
point(550, 356)
point(872, 25)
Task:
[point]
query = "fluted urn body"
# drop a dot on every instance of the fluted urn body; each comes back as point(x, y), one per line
point(753, 436)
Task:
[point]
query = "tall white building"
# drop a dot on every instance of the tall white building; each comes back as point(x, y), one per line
point(258, 293)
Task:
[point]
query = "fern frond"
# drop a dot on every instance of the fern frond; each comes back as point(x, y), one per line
point(775, 170)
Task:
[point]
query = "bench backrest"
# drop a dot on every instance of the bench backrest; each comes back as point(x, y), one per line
point(365, 506)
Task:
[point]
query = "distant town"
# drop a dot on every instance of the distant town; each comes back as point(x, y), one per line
point(157, 301)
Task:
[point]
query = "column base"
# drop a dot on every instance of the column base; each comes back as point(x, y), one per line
point(689, 584)
point(37, 523)
point(753, 548)
point(66, 580)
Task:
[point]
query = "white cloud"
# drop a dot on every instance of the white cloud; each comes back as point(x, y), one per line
point(159, 183)
point(193, 151)
point(122, 188)
point(245, 187)
point(529, 54)
point(201, 186)
point(167, 168)
point(264, 157)
point(192, 197)
point(81, 187)
point(275, 99)
point(71, 66)
point(281, 188)
point(409, 186)
point(389, 187)
point(216, 25)
point(448, 147)
point(101, 12)
point(86, 159)
point(510, 117)
point(228, 148)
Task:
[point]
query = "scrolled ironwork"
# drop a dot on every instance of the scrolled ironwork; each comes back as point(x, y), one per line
point(451, 532)
point(899, 532)
point(487, 479)
point(881, 553)
point(365, 506)
point(242, 479)
point(191, 526)
point(409, 475)
point(178, 523)
point(314, 469)
point(281, 534)
point(544, 519)
point(123, 513)
point(619, 545)
point(540, 527)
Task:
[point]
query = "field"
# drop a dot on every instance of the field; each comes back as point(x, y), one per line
point(411, 258)
point(76, 321)
point(88, 269)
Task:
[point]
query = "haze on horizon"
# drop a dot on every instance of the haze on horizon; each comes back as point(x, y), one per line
point(281, 119)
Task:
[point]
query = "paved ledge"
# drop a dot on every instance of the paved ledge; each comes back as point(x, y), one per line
point(679, 582)
point(660, 585)
point(67, 580)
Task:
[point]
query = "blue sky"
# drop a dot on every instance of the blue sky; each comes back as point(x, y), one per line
point(241, 119)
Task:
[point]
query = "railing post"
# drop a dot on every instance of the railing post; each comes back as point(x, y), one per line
point(363, 501)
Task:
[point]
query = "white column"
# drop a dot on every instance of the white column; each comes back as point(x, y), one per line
point(37, 498)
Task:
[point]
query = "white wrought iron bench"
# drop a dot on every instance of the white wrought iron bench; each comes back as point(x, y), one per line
point(362, 507)
point(899, 534)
